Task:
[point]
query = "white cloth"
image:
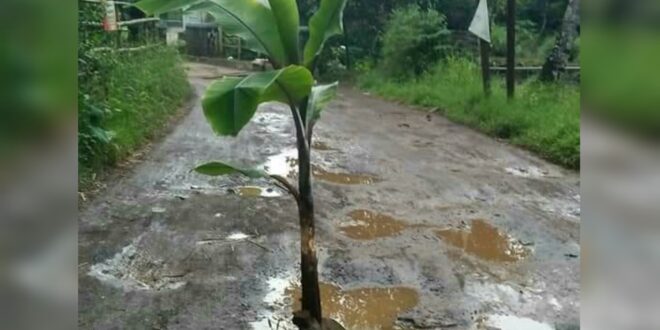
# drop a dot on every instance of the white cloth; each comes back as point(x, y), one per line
point(480, 25)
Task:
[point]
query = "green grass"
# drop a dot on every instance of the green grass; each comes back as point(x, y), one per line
point(139, 93)
point(543, 118)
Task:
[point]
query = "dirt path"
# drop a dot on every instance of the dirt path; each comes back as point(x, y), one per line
point(422, 224)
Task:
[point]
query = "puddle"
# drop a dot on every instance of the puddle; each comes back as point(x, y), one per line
point(342, 178)
point(237, 236)
point(364, 308)
point(356, 309)
point(284, 164)
point(485, 242)
point(510, 322)
point(253, 191)
point(131, 270)
point(370, 225)
point(320, 145)
point(527, 172)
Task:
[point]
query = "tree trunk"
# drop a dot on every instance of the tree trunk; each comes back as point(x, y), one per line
point(558, 57)
point(311, 295)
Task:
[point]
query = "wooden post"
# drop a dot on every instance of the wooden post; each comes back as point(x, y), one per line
point(510, 48)
point(484, 48)
point(348, 55)
point(221, 51)
point(238, 48)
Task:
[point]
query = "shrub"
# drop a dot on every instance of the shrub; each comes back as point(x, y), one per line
point(412, 41)
point(123, 99)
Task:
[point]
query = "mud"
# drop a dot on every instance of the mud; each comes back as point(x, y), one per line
point(363, 308)
point(323, 146)
point(166, 248)
point(485, 241)
point(342, 178)
point(368, 225)
point(253, 191)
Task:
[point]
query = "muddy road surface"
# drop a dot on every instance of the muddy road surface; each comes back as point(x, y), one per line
point(422, 224)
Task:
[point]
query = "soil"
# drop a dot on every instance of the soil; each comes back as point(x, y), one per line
point(422, 224)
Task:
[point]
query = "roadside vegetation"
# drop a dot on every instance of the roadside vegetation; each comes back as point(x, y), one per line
point(125, 98)
point(544, 117)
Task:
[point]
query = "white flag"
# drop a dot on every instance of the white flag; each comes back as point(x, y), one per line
point(480, 25)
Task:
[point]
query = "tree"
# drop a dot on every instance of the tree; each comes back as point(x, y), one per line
point(565, 42)
point(272, 27)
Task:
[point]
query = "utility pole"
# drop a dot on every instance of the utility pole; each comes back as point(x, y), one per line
point(510, 48)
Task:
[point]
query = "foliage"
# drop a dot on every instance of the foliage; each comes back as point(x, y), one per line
point(543, 118)
point(230, 103)
point(412, 40)
point(365, 20)
point(123, 97)
point(531, 46)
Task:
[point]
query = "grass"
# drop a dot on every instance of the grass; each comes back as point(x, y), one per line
point(139, 92)
point(543, 118)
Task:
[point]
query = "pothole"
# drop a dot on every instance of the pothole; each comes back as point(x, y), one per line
point(254, 191)
point(342, 178)
point(510, 322)
point(131, 270)
point(320, 145)
point(368, 225)
point(527, 172)
point(355, 309)
point(283, 164)
point(286, 164)
point(363, 308)
point(485, 242)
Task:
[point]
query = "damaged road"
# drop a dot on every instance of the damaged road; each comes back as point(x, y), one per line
point(421, 224)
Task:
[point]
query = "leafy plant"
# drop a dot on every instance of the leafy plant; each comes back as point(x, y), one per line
point(412, 40)
point(272, 28)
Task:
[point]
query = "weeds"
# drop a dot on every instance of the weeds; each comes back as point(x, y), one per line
point(124, 99)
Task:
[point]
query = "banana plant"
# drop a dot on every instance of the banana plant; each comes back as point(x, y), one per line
point(272, 27)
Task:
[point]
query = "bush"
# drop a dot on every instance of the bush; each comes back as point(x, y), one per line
point(531, 47)
point(123, 99)
point(412, 41)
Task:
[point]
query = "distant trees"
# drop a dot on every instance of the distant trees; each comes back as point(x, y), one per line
point(565, 43)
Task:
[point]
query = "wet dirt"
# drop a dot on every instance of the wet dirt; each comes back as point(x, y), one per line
point(253, 191)
point(362, 308)
point(342, 178)
point(486, 242)
point(369, 225)
point(323, 146)
point(166, 248)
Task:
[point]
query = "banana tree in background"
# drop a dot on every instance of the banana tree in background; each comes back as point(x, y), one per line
point(272, 27)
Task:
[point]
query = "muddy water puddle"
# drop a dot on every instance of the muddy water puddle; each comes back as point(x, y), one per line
point(342, 178)
point(363, 308)
point(485, 242)
point(254, 191)
point(286, 164)
point(369, 225)
point(322, 146)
